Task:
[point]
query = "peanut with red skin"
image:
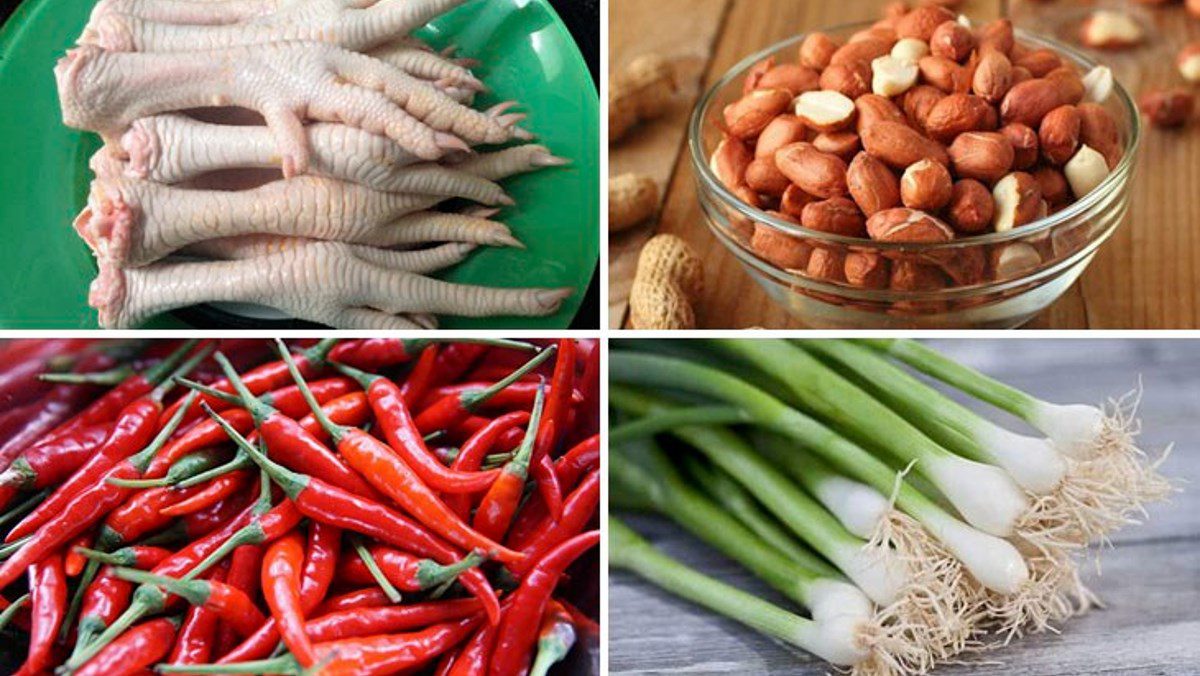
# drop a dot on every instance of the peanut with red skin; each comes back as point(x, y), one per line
point(817, 51)
point(1059, 134)
point(1024, 142)
point(782, 250)
point(971, 207)
point(872, 185)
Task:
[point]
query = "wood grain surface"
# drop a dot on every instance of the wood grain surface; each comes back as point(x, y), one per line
point(1145, 277)
point(1150, 580)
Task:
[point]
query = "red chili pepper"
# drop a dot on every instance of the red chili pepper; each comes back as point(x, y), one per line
point(47, 463)
point(585, 456)
point(582, 621)
point(134, 428)
point(272, 375)
point(73, 563)
point(327, 503)
point(419, 379)
point(455, 360)
point(586, 416)
point(139, 647)
point(196, 639)
point(406, 442)
point(472, 453)
point(201, 523)
point(20, 382)
point(495, 511)
point(230, 603)
point(554, 426)
point(130, 386)
point(578, 511)
point(89, 505)
point(371, 597)
point(473, 659)
point(218, 489)
point(371, 621)
point(377, 353)
point(520, 622)
point(244, 564)
point(405, 571)
point(105, 597)
point(281, 588)
point(48, 584)
point(394, 478)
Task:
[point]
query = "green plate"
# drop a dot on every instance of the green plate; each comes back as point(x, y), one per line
point(527, 55)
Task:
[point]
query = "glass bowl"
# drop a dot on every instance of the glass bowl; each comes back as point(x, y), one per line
point(962, 285)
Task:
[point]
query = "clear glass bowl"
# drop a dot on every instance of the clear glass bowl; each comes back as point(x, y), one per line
point(971, 293)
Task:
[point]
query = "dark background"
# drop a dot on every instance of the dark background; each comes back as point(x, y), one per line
point(582, 17)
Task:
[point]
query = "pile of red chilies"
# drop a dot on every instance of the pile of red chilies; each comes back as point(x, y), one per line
point(242, 506)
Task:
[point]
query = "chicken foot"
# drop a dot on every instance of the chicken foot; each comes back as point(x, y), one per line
point(352, 24)
point(286, 84)
point(324, 282)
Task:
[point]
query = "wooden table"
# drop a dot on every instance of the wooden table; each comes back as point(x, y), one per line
point(1150, 581)
point(1146, 276)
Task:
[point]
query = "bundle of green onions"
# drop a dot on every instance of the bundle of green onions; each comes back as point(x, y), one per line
point(911, 528)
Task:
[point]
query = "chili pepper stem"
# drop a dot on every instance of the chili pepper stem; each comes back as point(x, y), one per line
point(168, 379)
point(11, 611)
point(208, 391)
point(291, 482)
point(89, 574)
point(259, 410)
point(13, 547)
point(519, 465)
point(368, 560)
point(25, 507)
point(285, 664)
point(553, 648)
point(108, 378)
point(189, 590)
point(239, 461)
point(430, 573)
point(146, 599)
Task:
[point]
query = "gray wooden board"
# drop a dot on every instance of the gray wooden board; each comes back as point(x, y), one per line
point(1150, 580)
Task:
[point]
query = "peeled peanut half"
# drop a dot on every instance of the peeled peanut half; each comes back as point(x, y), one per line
point(892, 76)
point(1086, 170)
point(825, 110)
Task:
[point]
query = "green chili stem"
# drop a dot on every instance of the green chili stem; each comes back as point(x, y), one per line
point(368, 560)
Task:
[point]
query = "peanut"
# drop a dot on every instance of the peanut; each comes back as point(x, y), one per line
point(642, 91)
point(632, 199)
point(669, 279)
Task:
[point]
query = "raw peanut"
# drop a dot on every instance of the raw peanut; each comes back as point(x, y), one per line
point(632, 199)
point(957, 114)
point(1172, 108)
point(1024, 142)
point(852, 79)
point(918, 102)
point(910, 49)
point(965, 267)
point(872, 185)
point(983, 155)
point(826, 265)
point(971, 207)
point(1013, 260)
point(780, 249)
point(899, 145)
point(1053, 185)
point(1189, 62)
point(1085, 171)
point(921, 22)
point(997, 36)
point(864, 50)
point(867, 270)
point(1021, 74)
point(926, 186)
point(909, 226)
point(873, 109)
point(642, 91)
point(1028, 102)
point(749, 115)
point(781, 131)
point(952, 41)
point(1106, 29)
point(817, 173)
point(729, 161)
point(793, 202)
point(1193, 7)
point(892, 76)
point(755, 74)
point(910, 276)
point(1039, 62)
point(1018, 201)
point(1097, 84)
point(1070, 84)
point(669, 278)
point(817, 51)
point(793, 77)
point(742, 226)
point(1098, 129)
point(993, 77)
point(944, 74)
point(825, 111)
point(877, 32)
point(1059, 134)
point(837, 216)
point(894, 10)
point(764, 177)
point(844, 144)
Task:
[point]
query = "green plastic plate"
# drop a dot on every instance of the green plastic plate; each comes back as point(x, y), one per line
point(527, 55)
